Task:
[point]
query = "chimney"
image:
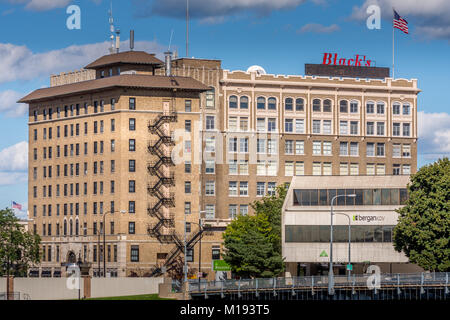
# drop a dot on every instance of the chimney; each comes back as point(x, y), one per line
point(131, 40)
point(168, 55)
point(118, 41)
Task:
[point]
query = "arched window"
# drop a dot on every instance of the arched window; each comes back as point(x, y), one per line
point(272, 103)
point(65, 227)
point(233, 102)
point(244, 103)
point(289, 104)
point(353, 106)
point(316, 105)
point(327, 105)
point(370, 107)
point(380, 107)
point(396, 108)
point(343, 106)
point(406, 109)
point(77, 226)
point(299, 104)
point(70, 227)
point(261, 103)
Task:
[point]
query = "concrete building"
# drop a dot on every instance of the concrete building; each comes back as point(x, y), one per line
point(158, 142)
point(306, 224)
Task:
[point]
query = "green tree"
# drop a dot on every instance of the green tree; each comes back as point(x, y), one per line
point(18, 248)
point(422, 232)
point(253, 243)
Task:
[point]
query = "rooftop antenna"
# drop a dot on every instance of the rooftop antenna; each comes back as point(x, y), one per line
point(111, 29)
point(187, 28)
point(170, 41)
point(131, 40)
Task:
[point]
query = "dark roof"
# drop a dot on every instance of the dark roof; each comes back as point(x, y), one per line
point(125, 80)
point(126, 57)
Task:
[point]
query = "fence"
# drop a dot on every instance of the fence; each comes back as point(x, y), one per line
point(114, 287)
point(319, 284)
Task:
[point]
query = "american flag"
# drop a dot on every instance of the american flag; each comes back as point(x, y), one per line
point(400, 23)
point(16, 205)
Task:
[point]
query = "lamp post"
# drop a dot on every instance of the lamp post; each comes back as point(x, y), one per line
point(349, 242)
point(104, 242)
point(330, 272)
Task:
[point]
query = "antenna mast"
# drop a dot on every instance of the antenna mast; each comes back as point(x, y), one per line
point(187, 28)
point(111, 29)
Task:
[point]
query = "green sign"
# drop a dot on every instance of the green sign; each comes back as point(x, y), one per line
point(221, 265)
point(349, 267)
point(323, 254)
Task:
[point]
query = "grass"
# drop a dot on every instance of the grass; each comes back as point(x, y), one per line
point(137, 297)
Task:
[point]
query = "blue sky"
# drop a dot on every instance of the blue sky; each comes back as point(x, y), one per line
point(279, 35)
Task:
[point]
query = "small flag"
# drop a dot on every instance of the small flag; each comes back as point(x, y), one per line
point(16, 205)
point(400, 23)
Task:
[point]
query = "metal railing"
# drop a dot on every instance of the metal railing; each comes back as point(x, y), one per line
point(319, 282)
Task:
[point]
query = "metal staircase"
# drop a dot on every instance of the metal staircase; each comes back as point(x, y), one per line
point(164, 229)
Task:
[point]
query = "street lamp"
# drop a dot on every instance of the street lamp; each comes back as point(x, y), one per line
point(349, 241)
point(104, 242)
point(330, 272)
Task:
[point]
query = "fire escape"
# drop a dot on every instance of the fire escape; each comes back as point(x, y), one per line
point(164, 229)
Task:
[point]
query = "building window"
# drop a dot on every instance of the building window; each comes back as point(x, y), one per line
point(299, 147)
point(299, 168)
point(134, 254)
point(316, 126)
point(380, 128)
point(288, 104)
point(380, 149)
point(396, 169)
point(260, 189)
point(243, 103)
point(210, 166)
point(232, 123)
point(289, 147)
point(271, 103)
point(406, 109)
point(406, 151)
point(187, 208)
point(131, 207)
point(210, 122)
point(343, 127)
point(299, 125)
point(188, 105)
point(232, 211)
point(187, 187)
point(243, 188)
point(232, 188)
point(232, 103)
point(132, 186)
point(132, 104)
point(132, 124)
point(243, 209)
point(343, 106)
point(353, 107)
point(210, 211)
point(370, 128)
point(289, 168)
point(243, 124)
point(327, 150)
point(210, 98)
point(271, 188)
point(187, 167)
point(271, 124)
point(317, 147)
point(299, 104)
point(396, 129)
point(370, 107)
point(354, 127)
point(190, 255)
point(288, 125)
point(261, 103)
point(132, 145)
point(343, 149)
point(215, 254)
point(131, 228)
point(380, 108)
point(396, 108)
point(316, 105)
point(406, 129)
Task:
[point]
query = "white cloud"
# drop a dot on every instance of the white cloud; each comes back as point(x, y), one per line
point(20, 63)
point(43, 5)
point(434, 134)
point(11, 178)
point(318, 28)
point(430, 18)
point(14, 158)
point(9, 105)
point(207, 9)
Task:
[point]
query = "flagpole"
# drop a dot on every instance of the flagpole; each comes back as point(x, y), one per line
point(393, 50)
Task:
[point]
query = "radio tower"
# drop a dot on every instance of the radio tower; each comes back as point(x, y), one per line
point(111, 29)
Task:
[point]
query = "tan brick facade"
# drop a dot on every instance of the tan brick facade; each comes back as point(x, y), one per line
point(152, 102)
